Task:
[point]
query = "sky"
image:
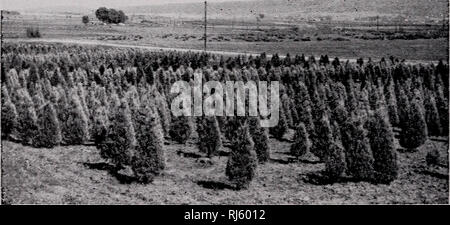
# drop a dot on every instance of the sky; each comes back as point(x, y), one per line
point(31, 4)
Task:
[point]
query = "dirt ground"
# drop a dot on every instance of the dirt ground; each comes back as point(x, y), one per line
point(77, 175)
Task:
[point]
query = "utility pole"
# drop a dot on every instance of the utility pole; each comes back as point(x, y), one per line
point(205, 28)
point(1, 29)
point(378, 23)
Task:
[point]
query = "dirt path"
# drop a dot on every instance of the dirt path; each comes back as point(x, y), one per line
point(158, 49)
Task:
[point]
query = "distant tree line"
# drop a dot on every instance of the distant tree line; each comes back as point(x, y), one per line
point(110, 15)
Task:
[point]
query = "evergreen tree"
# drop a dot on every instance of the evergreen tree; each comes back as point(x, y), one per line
point(242, 162)
point(10, 119)
point(100, 124)
point(149, 158)
point(49, 133)
point(180, 129)
point(414, 130)
point(301, 142)
point(335, 164)
point(322, 138)
point(442, 106)
point(27, 120)
point(76, 128)
point(209, 138)
point(392, 104)
point(403, 107)
point(260, 138)
point(382, 144)
point(120, 142)
point(432, 115)
point(281, 128)
point(358, 154)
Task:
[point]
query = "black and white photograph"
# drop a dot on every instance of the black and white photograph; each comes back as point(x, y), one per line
point(224, 102)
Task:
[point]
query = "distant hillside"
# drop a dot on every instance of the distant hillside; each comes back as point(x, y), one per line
point(282, 8)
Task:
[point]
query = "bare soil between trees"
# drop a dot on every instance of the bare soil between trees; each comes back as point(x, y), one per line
point(77, 175)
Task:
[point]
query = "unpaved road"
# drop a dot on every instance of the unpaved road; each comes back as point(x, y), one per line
point(157, 49)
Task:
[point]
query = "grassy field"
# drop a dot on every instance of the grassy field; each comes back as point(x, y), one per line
point(77, 175)
point(269, 38)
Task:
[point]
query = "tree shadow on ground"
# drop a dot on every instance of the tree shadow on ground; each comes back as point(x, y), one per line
point(405, 150)
point(319, 178)
point(223, 153)
point(431, 173)
point(294, 160)
point(283, 161)
point(189, 154)
point(215, 185)
point(113, 170)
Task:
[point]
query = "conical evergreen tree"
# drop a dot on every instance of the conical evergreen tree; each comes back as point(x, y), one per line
point(335, 163)
point(260, 138)
point(209, 138)
point(49, 133)
point(120, 142)
point(76, 128)
point(382, 145)
point(392, 104)
point(242, 162)
point(100, 123)
point(322, 138)
point(358, 154)
point(432, 116)
point(403, 106)
point(301, 142)
point(442, 106)
point(414, 130)
point(9, 119)
point(281, 128)
point(27, 120)
point(180, 129)
point(149, 158)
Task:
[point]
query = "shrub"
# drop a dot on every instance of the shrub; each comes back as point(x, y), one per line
point(120, 141)
point(49, 134)
point(180, 129)
point(383, 149)
point(260, 139)
point(149, 158)
point(209, 138)
point(85, 20)
point(301, 142)
point(110, 15)
point(33, 32)
point(241, 163)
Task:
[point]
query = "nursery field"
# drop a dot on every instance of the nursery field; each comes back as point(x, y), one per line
point(77, 175)
point(83, 124)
